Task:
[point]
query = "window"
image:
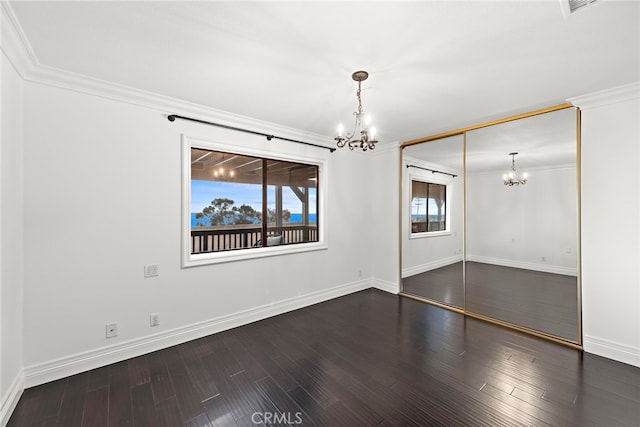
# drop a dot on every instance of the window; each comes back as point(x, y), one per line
point(244, 205)
point(428, 207)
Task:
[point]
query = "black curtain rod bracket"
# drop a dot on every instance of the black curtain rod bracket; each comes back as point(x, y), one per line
point(431, 170)
point(173, 117)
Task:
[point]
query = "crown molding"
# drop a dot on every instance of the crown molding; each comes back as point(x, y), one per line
point(386, 147)
point(601, 98)
point(14, 42)
point(17, 49)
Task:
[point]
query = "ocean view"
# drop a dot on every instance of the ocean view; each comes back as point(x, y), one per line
point(417, 218)
point(295, 218)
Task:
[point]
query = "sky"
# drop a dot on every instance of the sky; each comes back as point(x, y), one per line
point(203, 192)
point(418, 207)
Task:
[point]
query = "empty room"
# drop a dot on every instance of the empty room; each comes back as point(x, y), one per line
point(345, 213)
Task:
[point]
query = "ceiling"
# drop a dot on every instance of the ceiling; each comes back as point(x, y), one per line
point(208, 165)
point(433, 65)
point(542, 141)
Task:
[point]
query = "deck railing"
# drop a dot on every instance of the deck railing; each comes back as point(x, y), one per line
point(215, 239)
point(421, 227)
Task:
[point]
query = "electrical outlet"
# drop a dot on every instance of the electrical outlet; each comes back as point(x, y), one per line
point(151, 270)
point(111, 330)
point(154, 319)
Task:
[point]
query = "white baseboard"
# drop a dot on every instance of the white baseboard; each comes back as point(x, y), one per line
point(545, 268)
point(383, 285)
point(74, 364)
point(10, 400)
point(412, 271)
point(612, 350)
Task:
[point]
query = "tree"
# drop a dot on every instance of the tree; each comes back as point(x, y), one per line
point(222, 211)
point(219, 212)
point(245, 214)
point(271, 216)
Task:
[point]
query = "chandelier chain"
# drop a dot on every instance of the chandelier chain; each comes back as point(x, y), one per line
point(359, 98)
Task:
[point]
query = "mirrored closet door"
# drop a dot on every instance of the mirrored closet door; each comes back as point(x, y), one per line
point(522, 223)
point(490, 222)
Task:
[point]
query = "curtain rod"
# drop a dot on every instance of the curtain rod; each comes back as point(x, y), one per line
point(173, 117)
point(432, 170)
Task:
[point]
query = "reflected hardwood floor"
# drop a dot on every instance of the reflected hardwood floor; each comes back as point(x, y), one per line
point(365, 359)
point(442, 284)
point(545, 302)
point(542, 301)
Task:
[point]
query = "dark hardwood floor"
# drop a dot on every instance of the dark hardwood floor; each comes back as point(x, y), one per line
point(366, 359)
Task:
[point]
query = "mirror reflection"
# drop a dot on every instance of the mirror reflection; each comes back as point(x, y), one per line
point(490, 222)
point(522, 223)
point(432, 221)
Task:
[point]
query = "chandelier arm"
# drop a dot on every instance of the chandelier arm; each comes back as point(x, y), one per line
point(349, 136)
point(356, 125)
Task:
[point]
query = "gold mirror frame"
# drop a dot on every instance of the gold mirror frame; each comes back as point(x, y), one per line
point(463, 131)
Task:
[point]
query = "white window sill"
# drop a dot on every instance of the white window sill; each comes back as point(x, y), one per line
point(194, 260)
point(427, 234)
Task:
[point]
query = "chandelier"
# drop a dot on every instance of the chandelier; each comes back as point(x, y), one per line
point(512, 178)
point(220, 171)
point(366, 137)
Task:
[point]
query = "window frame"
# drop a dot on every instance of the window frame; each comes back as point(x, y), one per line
point(447, 182)
point(192, 260)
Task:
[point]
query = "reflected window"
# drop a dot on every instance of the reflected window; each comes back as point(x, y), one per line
point(428, 207)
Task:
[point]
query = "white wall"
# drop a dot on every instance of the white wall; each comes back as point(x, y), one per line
point(102, 186)
point(610, 218)
point(11, 244)
point(384, 251)
point(521, 226)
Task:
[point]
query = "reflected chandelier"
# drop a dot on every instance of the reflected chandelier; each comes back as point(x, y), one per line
point(366, 139)
point(512, 178)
